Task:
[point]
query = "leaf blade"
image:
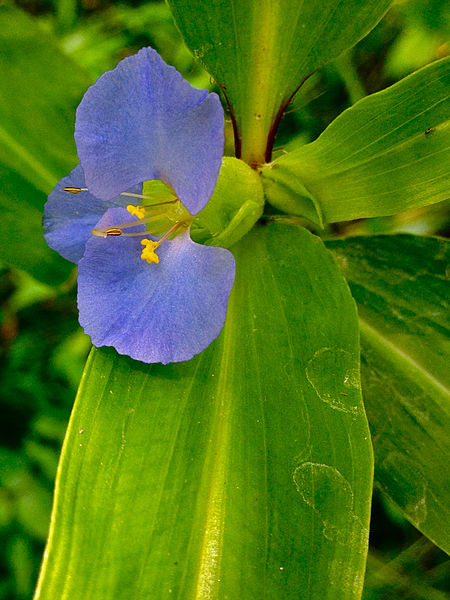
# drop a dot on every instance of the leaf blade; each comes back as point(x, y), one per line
point(221, 486)
point(399, 283)
point(260, 53)
point(386, 154)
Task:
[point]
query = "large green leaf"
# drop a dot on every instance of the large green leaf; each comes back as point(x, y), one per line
point(401, 286)
point(387, 153)
point(40, 92)
point(244, 473)
point(261, 51)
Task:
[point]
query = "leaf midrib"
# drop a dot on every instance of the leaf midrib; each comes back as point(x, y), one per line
point(209, 562)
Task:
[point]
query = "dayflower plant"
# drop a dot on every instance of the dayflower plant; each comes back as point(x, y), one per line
point(157, 298)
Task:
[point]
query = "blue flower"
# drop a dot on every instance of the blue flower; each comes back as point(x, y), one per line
point(156, 298)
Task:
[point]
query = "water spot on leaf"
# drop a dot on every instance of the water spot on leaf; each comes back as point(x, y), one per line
point(329, 374)
point(330, 495)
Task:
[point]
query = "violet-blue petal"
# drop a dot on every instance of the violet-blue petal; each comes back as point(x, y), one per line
point(143, 121)
point(165, 312)
point(69, 218)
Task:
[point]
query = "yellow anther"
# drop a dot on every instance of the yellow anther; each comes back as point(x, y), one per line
point(148, 252)
point(138, 211)
point(74, 190)
point(113, 231)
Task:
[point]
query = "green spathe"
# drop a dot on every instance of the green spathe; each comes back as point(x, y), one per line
point(235, 206)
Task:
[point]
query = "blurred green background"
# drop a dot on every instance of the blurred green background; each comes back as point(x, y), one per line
point(42, 346)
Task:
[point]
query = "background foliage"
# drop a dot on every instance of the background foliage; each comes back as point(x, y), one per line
point(43, 349)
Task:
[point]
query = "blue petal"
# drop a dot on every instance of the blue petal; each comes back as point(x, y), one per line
point(165, 312)
point(143, 121)
point(69, 218)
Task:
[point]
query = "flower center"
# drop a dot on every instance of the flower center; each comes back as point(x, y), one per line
point(157, 216)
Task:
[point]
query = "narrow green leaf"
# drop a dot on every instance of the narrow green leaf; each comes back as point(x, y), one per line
point(388, 153)
point(41, 90)
point(261, 52)
point(244, 473)
point(401, 287)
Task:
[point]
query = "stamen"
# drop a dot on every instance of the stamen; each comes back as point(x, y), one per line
point(104, 232)
point(148, 252)
point(131, 207)
point(146, 197)
point(77, 190)
point(171, 230)
point(157, 209)
point(117, 230)
point(74, 190)
point(137, 211)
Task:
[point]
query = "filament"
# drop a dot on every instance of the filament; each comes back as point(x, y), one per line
point(117, 229)
point(77, 190)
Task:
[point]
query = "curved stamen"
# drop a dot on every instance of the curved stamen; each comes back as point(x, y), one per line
point(171, 230)
point(117, 229)
point(77, 190)
point(147, 197)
